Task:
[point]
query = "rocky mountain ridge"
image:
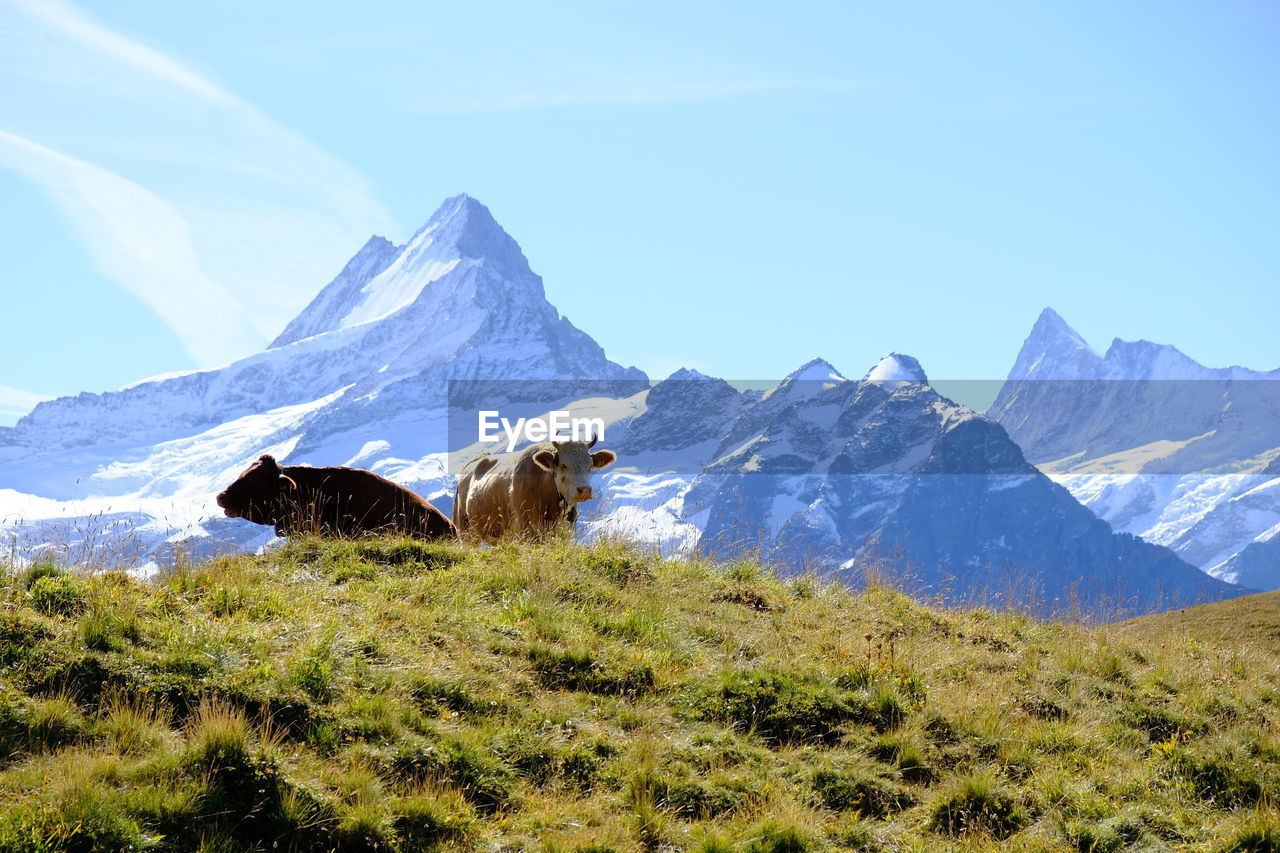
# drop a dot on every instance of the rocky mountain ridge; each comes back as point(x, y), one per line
point(818, 471)
point(1155, 443)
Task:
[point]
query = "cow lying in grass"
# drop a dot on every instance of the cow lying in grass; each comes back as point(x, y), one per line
point(526, 494)
point(348, 502)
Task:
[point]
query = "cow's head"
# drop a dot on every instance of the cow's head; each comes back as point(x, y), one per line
point(259, 494)
point(571, 463)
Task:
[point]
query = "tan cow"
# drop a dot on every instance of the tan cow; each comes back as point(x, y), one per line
point(528, 493)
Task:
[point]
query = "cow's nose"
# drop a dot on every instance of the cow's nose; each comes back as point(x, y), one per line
point(584, 493)
point(221, 499)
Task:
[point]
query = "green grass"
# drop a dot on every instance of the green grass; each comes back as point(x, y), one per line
point(1252, 619)
point(394, 695)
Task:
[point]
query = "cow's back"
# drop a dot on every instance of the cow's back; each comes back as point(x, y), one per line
point(352, 501)
point(506, 495)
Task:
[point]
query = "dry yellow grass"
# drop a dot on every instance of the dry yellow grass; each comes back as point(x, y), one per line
point(1252, 621)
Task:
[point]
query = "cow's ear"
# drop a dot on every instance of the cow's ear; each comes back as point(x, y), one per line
point(603, 458)
point(545, 459)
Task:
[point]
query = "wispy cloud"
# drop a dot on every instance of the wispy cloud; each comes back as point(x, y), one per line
point(221, 219)
point(15, 402)
point(64, 18)
point(568, 58)
point(140, 241)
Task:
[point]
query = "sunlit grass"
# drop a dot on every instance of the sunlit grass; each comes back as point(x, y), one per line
point(395, 695)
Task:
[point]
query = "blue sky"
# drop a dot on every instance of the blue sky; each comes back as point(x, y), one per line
point(735, 187)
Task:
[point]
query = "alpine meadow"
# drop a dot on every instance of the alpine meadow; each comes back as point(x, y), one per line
point(396, 695)
point(578, 427)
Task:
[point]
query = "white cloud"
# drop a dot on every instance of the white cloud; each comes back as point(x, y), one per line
point(15, 401)
point(222, 220)
point(64, 18)
point(569, 58)
point(138, 240)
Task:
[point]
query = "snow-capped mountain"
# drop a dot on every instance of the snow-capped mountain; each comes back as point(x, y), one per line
point(1158, 445)
point(817, 471)
point(360, 377)
point(836, 475)
point(458, 301)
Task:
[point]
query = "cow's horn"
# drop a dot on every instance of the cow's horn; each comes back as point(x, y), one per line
point(592, 442)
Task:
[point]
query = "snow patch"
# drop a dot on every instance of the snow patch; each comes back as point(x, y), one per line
point(897, 369)
point(394, 289)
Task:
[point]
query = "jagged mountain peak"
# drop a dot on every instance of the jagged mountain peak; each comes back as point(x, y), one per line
point(1139, 440)
point(1051, 324)
point(458, 209)
point(341, 295)
point(812, 377)
point(1054, 350)
point(815, 370)
point(376, 243)
point(897, 367)
point(383, 278)
point(1146, 360)
point(468, 227)
point(689, 387)
point(684, 409)
point(688, 374)
point(458, 301)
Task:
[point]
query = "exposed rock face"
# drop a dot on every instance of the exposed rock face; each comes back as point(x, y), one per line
point(1150, 440)
point(893, 475)
point(1257, 566)
point(685, 409)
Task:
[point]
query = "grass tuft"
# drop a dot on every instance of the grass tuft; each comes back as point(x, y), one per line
point(977, 804)
point(1259, 832)
point(788, 708)
point(578, 669)
point(56, 595)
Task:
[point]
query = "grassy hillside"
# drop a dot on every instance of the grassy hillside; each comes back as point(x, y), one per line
point(1249, 621)
point(401, 696)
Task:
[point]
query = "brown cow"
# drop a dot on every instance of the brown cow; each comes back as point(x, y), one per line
point(527, 493)
point(299, 499)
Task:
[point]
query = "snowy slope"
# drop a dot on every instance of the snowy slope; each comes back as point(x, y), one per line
point(1153, 442)
point(340, 296)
